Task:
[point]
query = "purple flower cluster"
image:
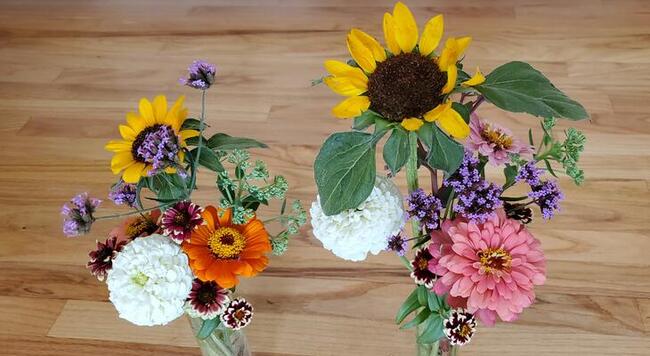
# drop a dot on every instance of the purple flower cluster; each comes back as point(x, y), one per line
point(547, 196)
point(478, 199)
point(201, 75)
point(529, 173)
point(123, 194)
point(79, 215)
point(397, 244)
point(160, 148)
point(424, 208)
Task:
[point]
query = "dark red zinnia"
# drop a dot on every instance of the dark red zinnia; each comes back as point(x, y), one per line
point(420, 264)
point(207, 299)
point(180, 220)
point(101, 259)
point(238, 314)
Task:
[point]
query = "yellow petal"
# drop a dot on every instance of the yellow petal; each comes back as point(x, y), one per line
point(361, 54)
point(462, 44)
point(454, 49)
point(345, 86)
point(173, 113)
point(335, 67)
point(120, 161)
point(127, 132)
point(453, 124)
point(136, 122)
point(389, 34)
point(412, 124)
point(431, 35)
point(452, 75)
point(476, 79)
point(118, 146)
point(371, 43)
point(185, 134)
point(351, 107)
point(434, 114)
point(133, 173)
point(160, 108)
point(146, 111)
point(406, 29)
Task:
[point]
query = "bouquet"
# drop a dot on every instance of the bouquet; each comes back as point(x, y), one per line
point(169, 256)
point(472, 255)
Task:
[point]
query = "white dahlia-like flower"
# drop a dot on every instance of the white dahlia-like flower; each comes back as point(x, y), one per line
point(150, 281)
point(353, 233)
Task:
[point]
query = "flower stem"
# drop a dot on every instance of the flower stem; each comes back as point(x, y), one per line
point(107, 217)
point(477, 103)
point(406, 262)
point(412, 173)
point(198, 148)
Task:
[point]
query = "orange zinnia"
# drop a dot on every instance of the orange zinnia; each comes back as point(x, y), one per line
point(220, 250)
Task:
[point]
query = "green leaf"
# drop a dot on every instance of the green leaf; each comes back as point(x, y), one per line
point(192, 124)
point(462, 110)
point(208, 159)
point(510, 172)
point(422, 316)
point(432, 329)
point(222, 141)
point(518, 87)
point(530, 137)
point(410, 304)
point(550, 169)
point(423, 295)
point(382, 126)
point(207, 328)
point(194, 141)
point(435, 302)
point(396, 150)
point(444, 153)
point(345, 170)
point(167, 187)
point(364, 120)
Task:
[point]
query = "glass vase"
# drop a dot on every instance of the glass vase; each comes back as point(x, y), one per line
point(438, 348)
point(222, 341)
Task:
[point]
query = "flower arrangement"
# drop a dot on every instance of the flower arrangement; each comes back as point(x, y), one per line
point(473, 256)
point(177, 257)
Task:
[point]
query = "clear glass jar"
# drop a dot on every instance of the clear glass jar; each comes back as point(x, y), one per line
point(222, 341)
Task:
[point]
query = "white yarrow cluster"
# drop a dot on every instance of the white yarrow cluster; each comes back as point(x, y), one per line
point(353, 233)
point(150, 281)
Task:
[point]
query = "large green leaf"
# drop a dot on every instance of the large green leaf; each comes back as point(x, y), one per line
point(221, 141)
point(421, 317)
point(364, 120)
point(208, 159)
point(345, 170)
point(518, 87)
point(207, 328)
point(432, 329)
point(410, 305)
point(444, 153)
point(396, 150)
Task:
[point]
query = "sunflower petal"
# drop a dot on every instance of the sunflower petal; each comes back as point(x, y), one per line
point(351, 107)
point(335, 67)
point(160, 108)
point(361, 54)
point(431, 35)
point(120, 161)
point(406, 29)
point(134, 172)
point(452, 75)
point(346, 86)
point(476, 79)
point(389, 34)
point(127, 132)
point(452, 123)
point(463, 43)
point(454, 49)
point(136, 122)
point(434, 114)
point(146, 111)
point(118, 146)
point(378, 52)
point(173, 112)
point(412, 124)
point(185, 134)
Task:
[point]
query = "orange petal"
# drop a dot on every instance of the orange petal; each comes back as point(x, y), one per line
point(210, 216)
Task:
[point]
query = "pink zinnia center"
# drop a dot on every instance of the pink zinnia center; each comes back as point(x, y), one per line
point(500, 139)
point(495, 260)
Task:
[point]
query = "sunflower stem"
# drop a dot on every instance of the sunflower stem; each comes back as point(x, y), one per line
point(412, 173)
point(198, 148)
point(477, 103)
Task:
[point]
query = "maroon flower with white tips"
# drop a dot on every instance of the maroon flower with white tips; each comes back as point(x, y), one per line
point(207, 299)
point(238, 314)
point(180, 220)
point(459, 327)
point(101, 259)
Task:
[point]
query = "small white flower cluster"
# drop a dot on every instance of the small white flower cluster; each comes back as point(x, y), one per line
point(150, 281)
point(353, 233)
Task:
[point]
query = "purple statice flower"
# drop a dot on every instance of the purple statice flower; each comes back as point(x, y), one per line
point(123, 193)
point(397, 244)
point(201, 75)
point(424, 208)
point(480, 202)
point(529, 173)
point(466, 176)
point(160, 148)
point(547, 196)
point(79, 215)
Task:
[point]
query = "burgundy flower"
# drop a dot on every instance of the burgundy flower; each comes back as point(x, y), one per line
point(207, 299)
point(179, 221)
point(459, 327)
point(101, 259)
point(420, 264)
point(238, 314)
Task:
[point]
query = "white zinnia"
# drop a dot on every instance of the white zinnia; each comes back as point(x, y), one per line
point(150, 281)
point(353, 233)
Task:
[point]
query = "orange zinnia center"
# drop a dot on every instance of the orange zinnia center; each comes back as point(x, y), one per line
point(226, 242)
point(495, 259)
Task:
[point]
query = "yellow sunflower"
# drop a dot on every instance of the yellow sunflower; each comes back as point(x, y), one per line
point(405, 82)
point(129, 161)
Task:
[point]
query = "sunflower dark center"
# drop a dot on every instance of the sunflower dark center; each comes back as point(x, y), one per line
point(406, 85)
point(142, 136)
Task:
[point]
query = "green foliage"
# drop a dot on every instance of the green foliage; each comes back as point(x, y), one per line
point(396, 150)
point(345, 170)
point(221, 141)
point(207, 328)
point(463, 110)
point(444, 153)
point(167, 187)
point(431, 310)
point(365, 120)
point(193, 124)
point(518, 87)
point(208, 158)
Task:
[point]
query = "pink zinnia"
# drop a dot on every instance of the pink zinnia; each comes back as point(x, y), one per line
point(490, 268)
point(494, 142)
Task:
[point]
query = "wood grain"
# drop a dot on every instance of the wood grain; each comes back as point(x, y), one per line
point(70, 70)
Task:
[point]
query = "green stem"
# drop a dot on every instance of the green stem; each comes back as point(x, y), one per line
point(453, 350)
point(107, 217)
point(412, 173)
point(406, 262)
point(198, 148)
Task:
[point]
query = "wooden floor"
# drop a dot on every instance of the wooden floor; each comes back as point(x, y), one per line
point(70, 70)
